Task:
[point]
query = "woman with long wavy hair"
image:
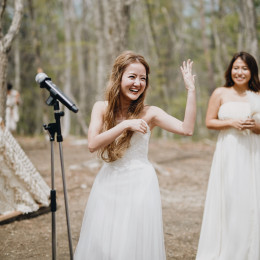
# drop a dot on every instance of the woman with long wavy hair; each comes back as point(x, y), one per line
point(123, 218)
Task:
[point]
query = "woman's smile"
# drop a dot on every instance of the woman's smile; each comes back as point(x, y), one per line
point(133, 81)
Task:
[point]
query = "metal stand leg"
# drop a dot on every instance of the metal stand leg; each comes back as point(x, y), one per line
point(66, 201)
point(54, 128)
point(53, 205)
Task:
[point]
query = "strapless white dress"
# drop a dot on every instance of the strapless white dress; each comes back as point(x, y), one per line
point(123, 216)
point(231, 222)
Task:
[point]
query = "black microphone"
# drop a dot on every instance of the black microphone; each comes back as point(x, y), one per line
point(45, 82)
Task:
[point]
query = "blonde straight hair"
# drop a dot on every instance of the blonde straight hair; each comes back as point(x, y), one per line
point(116, 149)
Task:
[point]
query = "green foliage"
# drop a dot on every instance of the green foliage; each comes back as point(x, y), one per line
point(165, 32)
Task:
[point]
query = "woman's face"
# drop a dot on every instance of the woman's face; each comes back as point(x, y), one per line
point(240, 73)
point(133, 81)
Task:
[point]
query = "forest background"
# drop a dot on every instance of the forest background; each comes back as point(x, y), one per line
point(75, 42)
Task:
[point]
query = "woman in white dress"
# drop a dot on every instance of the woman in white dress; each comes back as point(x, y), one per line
point(123, 218)
point(12, 110)
point(231, 222)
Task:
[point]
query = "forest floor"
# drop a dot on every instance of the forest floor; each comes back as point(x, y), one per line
point(183, 181)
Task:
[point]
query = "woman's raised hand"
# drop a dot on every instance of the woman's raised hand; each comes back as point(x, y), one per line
point(188, 78)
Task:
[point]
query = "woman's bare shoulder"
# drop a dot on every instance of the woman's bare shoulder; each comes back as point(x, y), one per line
point(149, 114)
point(220, 90)
point(99, 108)
point(100, 105)
point(151, 110)
point(220, 94)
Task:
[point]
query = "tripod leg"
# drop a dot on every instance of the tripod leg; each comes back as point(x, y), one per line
point(53, 218)
point(66, 201)
point(53, 205)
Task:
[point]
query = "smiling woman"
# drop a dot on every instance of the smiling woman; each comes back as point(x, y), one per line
point(123, 217)
point(240, 73)
point(133, 82)
point(231, 221)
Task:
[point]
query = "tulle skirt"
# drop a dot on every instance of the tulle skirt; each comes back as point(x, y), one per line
point(123, 217)
point(231, 222)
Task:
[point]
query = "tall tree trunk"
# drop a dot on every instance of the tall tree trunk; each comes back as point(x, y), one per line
point(3, 88)
point(41, 110)
point(78, 25)
point(17, 64)
point(241, 30)
point(80, 65)
point(206, 48)
point(217, 54)
point(156, 41)
point(248, 20)
point(112, 22)
point(67, 5)
point(5, 45)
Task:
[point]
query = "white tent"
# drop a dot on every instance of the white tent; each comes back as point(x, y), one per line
point(22, 188)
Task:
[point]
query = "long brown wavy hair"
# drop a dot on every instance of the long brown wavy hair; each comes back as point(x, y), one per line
point(253, 83)
point(116, 149)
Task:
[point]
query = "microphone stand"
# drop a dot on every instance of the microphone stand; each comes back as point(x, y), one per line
point(55, 128)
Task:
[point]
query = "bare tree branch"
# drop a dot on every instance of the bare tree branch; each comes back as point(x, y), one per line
point(15, 25)
point(2, 10)
point(5, 46)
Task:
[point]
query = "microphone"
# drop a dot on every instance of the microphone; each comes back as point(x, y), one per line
point(45, 82)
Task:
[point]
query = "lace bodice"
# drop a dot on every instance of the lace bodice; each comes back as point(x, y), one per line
point(234, 110)
point(136, 154)
point(241, 110)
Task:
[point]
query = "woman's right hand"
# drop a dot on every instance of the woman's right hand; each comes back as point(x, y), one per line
point(136, 125)
point(188, 77)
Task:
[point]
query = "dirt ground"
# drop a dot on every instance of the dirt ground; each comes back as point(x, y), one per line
point(183, 182)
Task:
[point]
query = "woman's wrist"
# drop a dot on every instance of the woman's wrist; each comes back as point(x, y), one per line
point(191, 89)
point(125, 125)
point(230, 123)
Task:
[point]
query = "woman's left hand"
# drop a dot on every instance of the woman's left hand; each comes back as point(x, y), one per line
point(188, 78)
point(255, 128)
point(248, 124)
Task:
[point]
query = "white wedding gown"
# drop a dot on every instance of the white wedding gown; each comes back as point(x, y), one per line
point(231, 222)
point(123, 217)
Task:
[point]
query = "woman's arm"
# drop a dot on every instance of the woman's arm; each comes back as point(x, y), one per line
point(170, 123)
point(98, 139)
point(212, 121)
point(256, 127)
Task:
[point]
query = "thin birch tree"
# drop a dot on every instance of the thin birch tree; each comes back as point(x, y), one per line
point(248, 24)
point(6, 41)
point(112, 23)
point(67, 5)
